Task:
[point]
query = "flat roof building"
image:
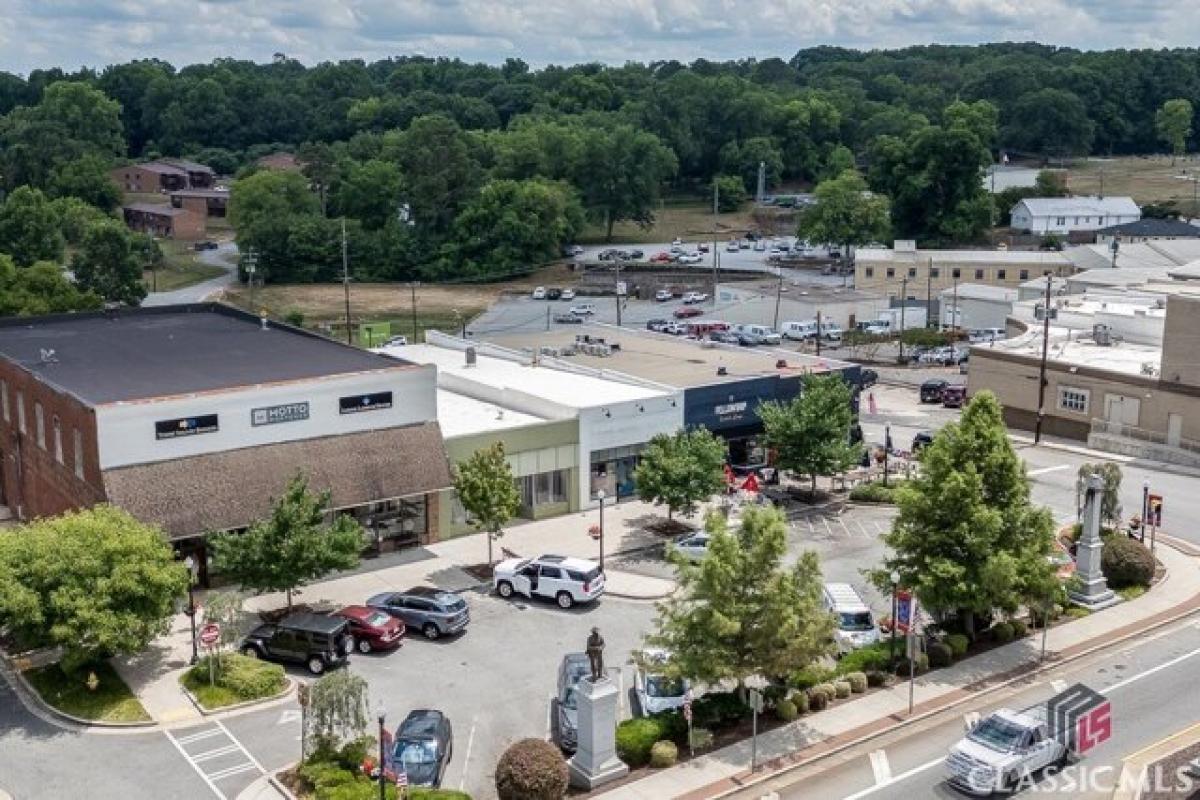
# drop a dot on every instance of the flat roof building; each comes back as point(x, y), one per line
point(919, 274)
point(193, 417)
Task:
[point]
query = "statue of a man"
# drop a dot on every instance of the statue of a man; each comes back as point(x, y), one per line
point(595, 654)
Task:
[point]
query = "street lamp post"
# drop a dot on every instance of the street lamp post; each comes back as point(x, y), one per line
point(1145, 509)
point(190, 563)
point(887, 445)
point(895, 578)
point(600, 497)
point(382, 717)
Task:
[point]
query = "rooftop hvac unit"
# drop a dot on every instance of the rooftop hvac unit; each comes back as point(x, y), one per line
point(1102, 335)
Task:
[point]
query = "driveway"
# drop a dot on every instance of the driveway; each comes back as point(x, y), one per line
point(225, 256)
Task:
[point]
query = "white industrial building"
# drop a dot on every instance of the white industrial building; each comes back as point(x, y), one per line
point(1065, 214)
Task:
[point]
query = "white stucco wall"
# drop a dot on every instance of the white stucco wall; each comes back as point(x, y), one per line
point(126, 430)
point(624, 424)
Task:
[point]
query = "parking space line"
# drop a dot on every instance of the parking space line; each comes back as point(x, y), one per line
point(828, 530)
point(467, 758)
point(863, 530)
point(880, 767)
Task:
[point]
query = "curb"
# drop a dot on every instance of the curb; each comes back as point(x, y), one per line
point(256, 789)
point(1017, 674)
point(216, 712)
point(30, 696)
point(1134, 765)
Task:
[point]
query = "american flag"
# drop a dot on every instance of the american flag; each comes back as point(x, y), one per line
point(687, 705)
point(402, 778)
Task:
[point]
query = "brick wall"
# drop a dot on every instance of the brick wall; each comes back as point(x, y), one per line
point(34, 482)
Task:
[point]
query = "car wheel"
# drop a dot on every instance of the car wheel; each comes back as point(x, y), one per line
point(316, 665)
point(565, 600)
point(364, 646)
point(431, 631)
point(250, 652)
point(504, 589)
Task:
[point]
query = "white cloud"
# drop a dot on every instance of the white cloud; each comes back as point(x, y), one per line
point(71, 33)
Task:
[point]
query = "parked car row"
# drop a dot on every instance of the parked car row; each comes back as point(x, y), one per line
point(940, 390)
point(553, 293)
point(807, 330)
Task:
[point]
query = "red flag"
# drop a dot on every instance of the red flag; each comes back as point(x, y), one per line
point(751, 484)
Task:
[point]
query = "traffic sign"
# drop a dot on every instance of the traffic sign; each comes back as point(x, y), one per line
point(756, 700)
point(1156, 507)
point(210, 634)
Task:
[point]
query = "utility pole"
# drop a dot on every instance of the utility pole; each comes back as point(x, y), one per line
point(778, 295)
point(903, 306)
point(617, 292)
point(716, 250)
point(1037, 431)
point(954, 312)
point(346, 282)
point(929, 292)
point(412, 287)
point(251, 262)
point(818, 332)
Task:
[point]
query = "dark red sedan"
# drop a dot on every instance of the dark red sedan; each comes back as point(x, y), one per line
point(372, 629)
point(684, 312)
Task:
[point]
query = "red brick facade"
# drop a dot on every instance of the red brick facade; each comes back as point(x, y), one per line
point(33, 480)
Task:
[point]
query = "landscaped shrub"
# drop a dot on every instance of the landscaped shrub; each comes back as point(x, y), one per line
point(1019, 628)
point(800, 700)
point(1076, 612)
point(817, 699)
point(238, 679)
point(786, 711)
point(877, 678)
point(719, 710)
point(841, 689)
point(857, 681)
point(827, 689)
point(940, 655)
point(635, 738)
point(774, 693)
point(1126, 562)
point(875, 656)
point(812, 675)
point(958, 644)
point(531, 769)
point(874, 492)
point(1002, 632)
point(920, 665)
point(663, 754)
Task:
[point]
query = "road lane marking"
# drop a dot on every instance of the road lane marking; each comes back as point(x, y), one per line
point(235, 740)
point(204, 777)
point(1119, 685)
point(1044, 470)
point(289, 716)
point(217, 753)
point(971, 719)
point(467, 758)
point(195, 737)
point(1058, 686)
point(880, 766)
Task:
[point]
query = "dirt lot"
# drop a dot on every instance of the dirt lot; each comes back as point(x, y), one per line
point(1148, 179)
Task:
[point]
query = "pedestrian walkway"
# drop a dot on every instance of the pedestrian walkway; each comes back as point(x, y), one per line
point(154, 674)
point(713, 774)
point(219, 759)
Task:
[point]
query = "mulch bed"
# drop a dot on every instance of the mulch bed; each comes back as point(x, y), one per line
point(669, 527)
point(481, 572)
point(1165, 780)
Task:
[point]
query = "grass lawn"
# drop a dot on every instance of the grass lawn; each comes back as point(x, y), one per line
point(112, 701)
point(242, 679)
point(1150, 179)
point(180, 268)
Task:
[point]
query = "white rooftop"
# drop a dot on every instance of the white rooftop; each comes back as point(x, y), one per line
point(981, 291)
point(557, 386)
point(1088, 205)
point(1077, 348)
point(460, 415)
point(1049, 258)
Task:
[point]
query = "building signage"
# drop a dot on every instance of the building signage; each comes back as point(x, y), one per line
point(364, 402)
point(271, 415)
point(728, 411)
point(186, 426)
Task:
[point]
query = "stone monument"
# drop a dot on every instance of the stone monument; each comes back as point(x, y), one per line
point(595, 761)
point(1089, 588)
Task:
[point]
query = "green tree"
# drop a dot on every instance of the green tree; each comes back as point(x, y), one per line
point(40, 289)
point(1050, 183)
point(318, 165)
point(86, 178)
point(369, 191)
point(74, 217)
point(739, 613)
point(440, 170)
point(731, 193)
point(744, 159)
point(1050, 121)
point(680, 470)
point(293, 545)
point(1173, 123)
point(107, 263)
point(97, 583)
point(811, 434)
point(488, 492)
point(513, 226)
point(846, 214)
point(621, 173)
point(1110, 500)
point(967, 540)
point(338, 710)
point(839, 160)
point(265, 209)
point(29, 228)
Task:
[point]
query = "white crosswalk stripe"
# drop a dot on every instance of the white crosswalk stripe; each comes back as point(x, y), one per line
point(215, 760)
point(880, 766)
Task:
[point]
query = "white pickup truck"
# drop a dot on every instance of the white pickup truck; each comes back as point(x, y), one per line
point(1003, 748)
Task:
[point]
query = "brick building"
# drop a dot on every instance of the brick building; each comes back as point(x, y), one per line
point(160, 219)
point(205, 202)
point(163, 176)
point(194, 417)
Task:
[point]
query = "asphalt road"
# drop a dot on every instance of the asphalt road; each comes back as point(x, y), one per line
point(1149, 683)
point(199, 292)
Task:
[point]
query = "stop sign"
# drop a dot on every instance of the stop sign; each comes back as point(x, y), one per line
point(210, 634)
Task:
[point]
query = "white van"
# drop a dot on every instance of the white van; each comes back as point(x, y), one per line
point(854, 624)
point(800, 331)
point(763, 332)
point(981, 335)
point(831, 331)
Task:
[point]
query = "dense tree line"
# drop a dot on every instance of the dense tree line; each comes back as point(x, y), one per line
point(422, 155)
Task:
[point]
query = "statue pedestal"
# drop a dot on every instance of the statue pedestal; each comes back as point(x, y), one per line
point(1090, 589)
point(595, 761)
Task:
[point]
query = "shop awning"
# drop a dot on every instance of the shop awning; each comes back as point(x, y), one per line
point(230, 489)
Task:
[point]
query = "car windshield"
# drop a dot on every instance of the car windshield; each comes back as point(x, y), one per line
point(662, 686)
point(855, 621)
point(377, 619)
point(416, 751)
point(998, 734)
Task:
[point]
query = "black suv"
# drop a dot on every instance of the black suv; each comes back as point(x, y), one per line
point(316, 641)
point(931, 390)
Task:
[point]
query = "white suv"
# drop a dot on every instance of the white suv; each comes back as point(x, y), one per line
point(563, 579)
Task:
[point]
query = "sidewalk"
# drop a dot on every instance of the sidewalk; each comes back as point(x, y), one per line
point(727, 769)
point(154, 674)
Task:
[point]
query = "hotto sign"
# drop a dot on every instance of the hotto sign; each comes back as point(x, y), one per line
point(272, 415)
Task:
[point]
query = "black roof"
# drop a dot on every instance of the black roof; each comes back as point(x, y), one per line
point(313, 622)
point(134, 354)
point(1152, 226)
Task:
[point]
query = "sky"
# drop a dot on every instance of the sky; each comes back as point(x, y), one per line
point(74, 33)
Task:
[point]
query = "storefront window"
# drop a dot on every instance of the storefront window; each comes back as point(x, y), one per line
point(392, 524)
point(543, 488)
point(612, 471)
